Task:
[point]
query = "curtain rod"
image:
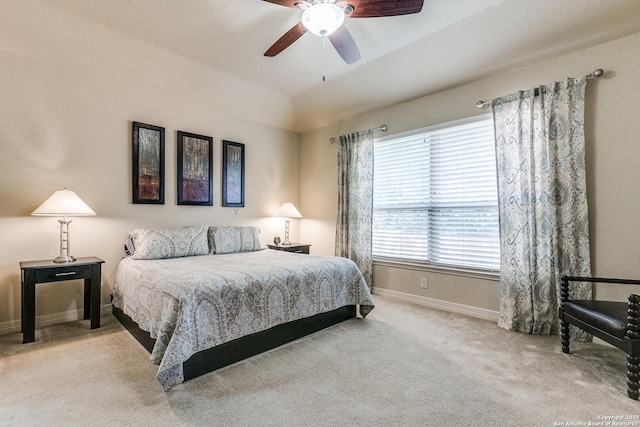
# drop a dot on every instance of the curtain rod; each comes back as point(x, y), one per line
point(596, 74)
point(382, 128)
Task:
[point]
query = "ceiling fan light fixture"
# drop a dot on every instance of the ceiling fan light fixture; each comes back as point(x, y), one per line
point(322, 19)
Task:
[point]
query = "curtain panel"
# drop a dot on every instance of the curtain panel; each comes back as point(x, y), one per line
point(544, 225)
point(355, 201)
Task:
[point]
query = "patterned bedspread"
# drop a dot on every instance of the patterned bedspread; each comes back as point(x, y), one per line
point(195, 303)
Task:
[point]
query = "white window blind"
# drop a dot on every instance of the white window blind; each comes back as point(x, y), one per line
point(435, 197)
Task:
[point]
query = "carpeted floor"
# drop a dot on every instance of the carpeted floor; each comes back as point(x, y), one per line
point(405, 365)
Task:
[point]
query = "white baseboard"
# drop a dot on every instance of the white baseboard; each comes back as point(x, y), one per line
point(468, 310)
point(480, 313)
point(50, 319)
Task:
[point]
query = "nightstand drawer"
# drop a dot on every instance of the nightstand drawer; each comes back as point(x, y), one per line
point(63, 273)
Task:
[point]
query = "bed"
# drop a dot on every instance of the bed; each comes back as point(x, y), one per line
point(199, 298)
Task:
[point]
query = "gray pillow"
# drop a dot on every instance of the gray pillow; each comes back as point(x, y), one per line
point(160, 243)
point(234, 239)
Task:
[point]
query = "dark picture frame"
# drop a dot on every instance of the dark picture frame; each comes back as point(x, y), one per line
point(148, 163)
point(195, 169)
point(232, 174)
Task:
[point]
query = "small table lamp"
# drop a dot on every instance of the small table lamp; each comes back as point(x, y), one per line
point(287, 211)
point(64, 203)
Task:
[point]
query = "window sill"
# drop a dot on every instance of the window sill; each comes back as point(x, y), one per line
point(434, 268)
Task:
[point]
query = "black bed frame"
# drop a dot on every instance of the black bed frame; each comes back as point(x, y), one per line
point(244, 347)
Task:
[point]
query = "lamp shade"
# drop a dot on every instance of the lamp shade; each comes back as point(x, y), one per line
point(63, 202)
point(288, 211)
point(323, 19)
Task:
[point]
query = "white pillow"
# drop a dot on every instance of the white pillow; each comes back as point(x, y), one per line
point(228, 240)
point(160, 243)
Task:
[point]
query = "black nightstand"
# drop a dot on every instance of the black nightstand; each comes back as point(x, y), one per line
point(299, 248)
point(34, 272)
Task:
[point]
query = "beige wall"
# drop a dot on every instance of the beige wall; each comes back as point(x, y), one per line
point(69, 90)
point(613, 155)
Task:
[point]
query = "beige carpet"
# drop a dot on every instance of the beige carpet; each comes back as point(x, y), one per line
point(405, 365)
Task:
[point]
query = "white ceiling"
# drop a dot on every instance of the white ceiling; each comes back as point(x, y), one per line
point(451, 42)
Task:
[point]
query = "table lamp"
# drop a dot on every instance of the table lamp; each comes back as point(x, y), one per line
point(287, 211)
point(64, 204)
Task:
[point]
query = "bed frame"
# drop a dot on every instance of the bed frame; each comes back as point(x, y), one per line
point(239, 349)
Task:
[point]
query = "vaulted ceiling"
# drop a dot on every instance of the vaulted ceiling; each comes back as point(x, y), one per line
point(451, 42)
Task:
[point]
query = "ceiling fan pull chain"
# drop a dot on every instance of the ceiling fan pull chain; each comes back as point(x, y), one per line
point(324, 44)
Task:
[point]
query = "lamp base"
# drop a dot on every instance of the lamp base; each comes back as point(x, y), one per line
point(63, 259)
point(286, 242)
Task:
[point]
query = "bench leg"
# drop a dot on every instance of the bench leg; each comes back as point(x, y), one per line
point(564, 336)
point(633, 375)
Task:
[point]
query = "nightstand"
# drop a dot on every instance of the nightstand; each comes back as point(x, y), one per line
point(299, 248)
point(34, 272)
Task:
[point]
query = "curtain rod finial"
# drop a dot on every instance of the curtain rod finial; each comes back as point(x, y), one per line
point(597, 73)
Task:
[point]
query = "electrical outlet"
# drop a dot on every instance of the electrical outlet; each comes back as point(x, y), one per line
point(423, 283)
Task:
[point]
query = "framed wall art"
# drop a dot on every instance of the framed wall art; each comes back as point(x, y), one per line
point(195, 169)
point(232, 174)
point(148, 163)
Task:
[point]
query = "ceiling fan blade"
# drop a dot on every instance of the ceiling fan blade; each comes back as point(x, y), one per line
point(287, 3)
point(345, 45)
point(381, 8)
point(286, 40)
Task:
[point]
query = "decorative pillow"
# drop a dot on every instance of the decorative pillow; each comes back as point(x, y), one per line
point(129, 247)
point(228, 240)
point(160, 243)
point(211, 240)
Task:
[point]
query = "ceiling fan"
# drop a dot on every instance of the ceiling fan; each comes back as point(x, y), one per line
point(325, 18)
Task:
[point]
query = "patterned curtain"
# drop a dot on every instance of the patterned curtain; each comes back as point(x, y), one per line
point(355, 200)
point(544, 224)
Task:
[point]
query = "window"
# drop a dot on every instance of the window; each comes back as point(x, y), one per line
point(435, 196)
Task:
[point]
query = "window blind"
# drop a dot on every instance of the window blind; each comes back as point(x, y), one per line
point(435, 197)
